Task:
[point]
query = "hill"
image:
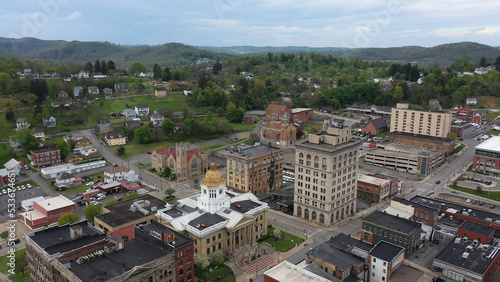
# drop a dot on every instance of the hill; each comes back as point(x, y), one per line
point(77, 51)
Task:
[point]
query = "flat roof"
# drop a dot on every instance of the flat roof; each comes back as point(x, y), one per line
point(406, 273)
point(57, 239)
point(386, 251)
point(478, 261)
point(258, 150)
point(107, 266)
point(372, 179)
point(328, 147)
point(206, 219)
point(392, 222)
point(120, 212)
point(286, 271)
point(492, 144)
point(33, 215)
point(424, 136)
point(244, 206)
point(346, 242)
point(29, 202)
point(340, 258)
point(415, 205)
point(477, 228)
point(180, 240)
point(55, 203)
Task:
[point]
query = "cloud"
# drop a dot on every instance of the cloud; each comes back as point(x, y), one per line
point(73, 17)
point(452, 32)
point(493, 30)
point(4, 17)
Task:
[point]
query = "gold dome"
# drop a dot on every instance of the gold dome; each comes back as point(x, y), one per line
point(213, 178)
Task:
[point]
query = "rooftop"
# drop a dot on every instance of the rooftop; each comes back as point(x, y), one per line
point(477, 261)
point(435, 138)
point(372, 180)
point(328, 147)
point(55, 203)
point(207, 219)
point(255, 151)
point(392, 222)
point(57, 239)
point(107, 266)
point(179, 239)
point(345, 243)
point(120, 212)
point(386, 251)
point(406, 273)
point(341, 259)
point(288, 272)
point(117, 169)
point(477, 228)
point(492, 144)
point(244, 206)
point(414, 205)
point(378, 123)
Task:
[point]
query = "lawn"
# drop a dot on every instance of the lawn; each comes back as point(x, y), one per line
point(82, 188)
point(142, 166)
point(209, 148)
point(287, 242)
point(459, 148)
point(493, 195)
point(7, 127)
point(491, 116)
point(312, 127)
point(135, 148)
point(4, 268)
point(238, 127)
point(222, 273)
point(493, 132)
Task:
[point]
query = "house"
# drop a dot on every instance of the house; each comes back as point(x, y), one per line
point(94, 90)
point(133, 124)
point(13, 167)
point(188, 92)
point(157, 119)
point(98, 75)
point(434, 103)
point(383, 260)
point(121, 87)
point(27, 72)
point(44, 157)
point(471, 101)
point(108, 91)
point(67, 180)
point(161, 92)
point(77, 91)
point(375, 126)
point(14, 143)
point(62, 95)
point(465, 113)
point(49, 121)
point(115, 139)
point(116, 174)
point(142, 110)
point(112, 115)
point(104, 125)
point(39, 133)
point(84, 147)
point(129, 114)
point(22, 123)
point(83, 75)
point(478, 118)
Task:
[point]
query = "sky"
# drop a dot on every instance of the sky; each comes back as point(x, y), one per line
point(314, 23)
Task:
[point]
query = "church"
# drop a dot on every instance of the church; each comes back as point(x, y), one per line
point(217, 219)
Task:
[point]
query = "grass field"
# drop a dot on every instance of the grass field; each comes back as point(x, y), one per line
point(312, 127)
point(493, 195)
point(4, 267)
point(238, 127)
point(493, 132)
point(488, 102)
point(82, 188)
point(491, 116)
point(288, 242)
point(6, 127)
point(135, 148)
point(222, 273)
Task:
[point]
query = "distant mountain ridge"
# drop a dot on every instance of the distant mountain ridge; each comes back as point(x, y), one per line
point(178, 54)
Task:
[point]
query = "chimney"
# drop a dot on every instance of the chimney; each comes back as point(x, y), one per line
point(75, 232)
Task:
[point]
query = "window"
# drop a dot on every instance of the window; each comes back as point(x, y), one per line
point(374, 260)
point(385, 263)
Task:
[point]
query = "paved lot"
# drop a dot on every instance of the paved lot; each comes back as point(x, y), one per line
point(20, 196)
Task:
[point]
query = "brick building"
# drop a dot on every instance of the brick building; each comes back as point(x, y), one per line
point(478, 118)
point(184, 162)
point(384, 259)
point(462, 129)
point(475, 231)
point(279, 133)
point(47, 212)
point(464, 113)
point(375, 126)
point(336, 262)
point(430, 142)
point(393, 183)
point(414, 211)
point(379, 226)
point(276, 112)
point(45, 157)
point(487, 157)
point(373, 188)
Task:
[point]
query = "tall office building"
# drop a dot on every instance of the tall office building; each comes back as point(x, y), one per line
point(424, 122)
point(326, 168)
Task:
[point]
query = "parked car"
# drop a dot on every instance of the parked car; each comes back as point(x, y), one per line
point(492, 206)
point(468, 201)
point(439, 181)
point(19, 188)
point(17, 241)
point(481, 203)
point(23, 187)
point(26, 167)
point(29, 186)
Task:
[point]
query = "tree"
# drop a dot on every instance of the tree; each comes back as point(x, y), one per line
point(235, 115)
point(9, 115)
point(196, 181)
point(398, 95)
point(40, 89)
point(110, 202)
point(121, 151)
point(209, 116)
point(6, 82)
point(452, 135)
point(167, 125)
point(89, 67)
point(141, 135)
point(483, 63)
point(156, 71)
point(167, 172)
point(68, 218)
point(131, 196)
point(92, 211)
point(253, 138)
point(136, 67)
point(479, 189)
point(201, 261)
point(111, 65)
point(217, 258)
point(167, 75)
point(169, 192)
point(277, 234)
point(97, 66)
point(104, 68)
point(4, 234)
point(21, 263)
point(28, 142)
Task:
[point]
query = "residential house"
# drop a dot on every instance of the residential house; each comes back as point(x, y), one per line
point(107, 91)
point(115, 139)
point(67, 180)
point(375, 126)
point(84, 147)
point(14, 143)
point(77, 91)
point(39, 133)
point(83, 75)
point(161, 92)
point(49, 121)
point(129, 114)
point(157, 119)
point(471, 101)
point(13, 167)
point(133, 124)
point(142, 110)
point(45, 156)
point(188, 92)
point(104, 125)
point(116, 174)
point(27, 72)
point(98, 75)
point(464, 113)
point(112, 115)
point(434, 103)
point(121, 87)
point(22, 123)
point(455, 109)
point(93, 90)
point(383, 260)
point(62, 95)
point(479, 118)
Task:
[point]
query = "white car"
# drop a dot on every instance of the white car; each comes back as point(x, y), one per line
point(19, 188)
point(23, 187)
point(29, 186)
point(5, 191)
point(468, 201)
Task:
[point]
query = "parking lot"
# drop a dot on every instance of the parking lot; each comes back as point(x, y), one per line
point(20, 196)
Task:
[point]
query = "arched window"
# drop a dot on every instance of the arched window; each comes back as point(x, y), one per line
point(306, 214)
point(308, 156)
point(321, 218)
point(316, 159)
point(324, 160)
point(301, 155)
point(194, 165)
point(299, 212)
point(313, 215)
point(172, 167)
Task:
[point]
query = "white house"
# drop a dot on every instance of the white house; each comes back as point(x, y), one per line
point(22, 123)
point(94, 90)
point(77, 91)
point(471, 101)
point(157, 119)
point(129, 114)
point(83, 75)
point(142, 110)
point(13, 166)
point(115, 174)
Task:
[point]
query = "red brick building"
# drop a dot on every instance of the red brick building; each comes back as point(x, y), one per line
point(462, 129)
point(276, 112)
point(464, 113)
point(487, 157)
point(476, 231)
point(393, 183)
point(45, 157)
point(479, 118)
point(375, 126)
point(373, 188)
point(282, 132)
point(47, 212)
